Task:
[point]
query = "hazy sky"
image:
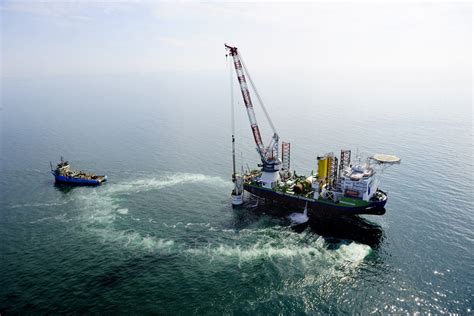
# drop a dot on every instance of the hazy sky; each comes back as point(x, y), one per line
point(84, 37)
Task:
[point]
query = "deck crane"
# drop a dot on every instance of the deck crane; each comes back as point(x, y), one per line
point(271, 164)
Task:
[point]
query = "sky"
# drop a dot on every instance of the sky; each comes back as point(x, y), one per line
point(68, 38)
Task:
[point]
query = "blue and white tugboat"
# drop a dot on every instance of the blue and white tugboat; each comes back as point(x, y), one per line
point(65, 175)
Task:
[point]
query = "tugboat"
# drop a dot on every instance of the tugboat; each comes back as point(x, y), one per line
point(65, 175)
point(340, 187)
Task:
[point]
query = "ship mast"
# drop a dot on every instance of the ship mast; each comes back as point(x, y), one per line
point(238, 192)
point(232, 121)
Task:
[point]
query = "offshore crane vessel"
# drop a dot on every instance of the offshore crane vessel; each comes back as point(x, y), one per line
point(340, 186)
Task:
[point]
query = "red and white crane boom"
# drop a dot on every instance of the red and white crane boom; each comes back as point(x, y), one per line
point(269, 154)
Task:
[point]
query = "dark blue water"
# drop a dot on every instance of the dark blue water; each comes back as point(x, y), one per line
point(161, 235)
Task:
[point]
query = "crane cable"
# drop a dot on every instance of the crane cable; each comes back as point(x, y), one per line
point(258, 96)
point(229, 65)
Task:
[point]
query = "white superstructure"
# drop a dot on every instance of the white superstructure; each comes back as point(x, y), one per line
point(359, 182)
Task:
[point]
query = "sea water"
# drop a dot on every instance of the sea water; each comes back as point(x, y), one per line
point(161, 236)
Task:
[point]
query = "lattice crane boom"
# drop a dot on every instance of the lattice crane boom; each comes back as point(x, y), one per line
point(268, 155)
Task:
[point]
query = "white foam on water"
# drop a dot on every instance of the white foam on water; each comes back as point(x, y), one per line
point(135, 240)
point(61, 218)
point(34, 205)
point(142, 185)
point(298, 218)
point(122, 211)
point(198, 225)
point(102, 206)
point(228, 231)
point(283, 244)
point(99, 209)
point(353, 253)
point(246, 253)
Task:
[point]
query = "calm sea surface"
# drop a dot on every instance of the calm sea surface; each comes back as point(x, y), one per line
point(161, 237)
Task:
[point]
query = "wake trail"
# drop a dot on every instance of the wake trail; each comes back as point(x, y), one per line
point(141, 185)
point(101, 208)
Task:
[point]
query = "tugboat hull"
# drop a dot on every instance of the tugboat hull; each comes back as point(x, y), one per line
point(78, 181)
point(326, 206)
